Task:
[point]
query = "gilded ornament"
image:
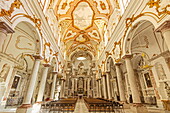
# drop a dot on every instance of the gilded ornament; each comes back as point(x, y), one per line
point(107, 54)
point(14, 5)
point(156, 4)
point(102, 5)
point(64, 6)
point(37, 21)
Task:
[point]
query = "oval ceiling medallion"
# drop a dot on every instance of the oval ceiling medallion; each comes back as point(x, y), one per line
point(83, 16)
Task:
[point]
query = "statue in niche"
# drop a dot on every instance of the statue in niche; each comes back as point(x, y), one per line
point(80, 83)
point(148, 80)
point(4, 72)
point(81, 69)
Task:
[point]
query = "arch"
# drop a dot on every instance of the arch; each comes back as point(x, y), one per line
point(54, 63)
point(17, 19)
point(74, 52)
point(131, 32)
point(109, 63)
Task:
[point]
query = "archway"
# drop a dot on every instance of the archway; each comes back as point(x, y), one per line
point(19, 47)
point(146, 46)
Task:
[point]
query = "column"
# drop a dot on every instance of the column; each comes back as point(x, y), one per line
point(132, 79)
point(120, 82)
point(62, 89)
point(165, 29)
point(53, 85)
point(88, 87)
point(4, 30)
point(97, 87)
point(100, 93)
point(73, 86)
point(33, 78)
point(84, 84)
point(108, 85)
point(43, 82)
point(104, 86)
point(76, 84)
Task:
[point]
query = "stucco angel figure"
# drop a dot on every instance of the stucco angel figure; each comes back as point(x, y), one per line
point(4, 73)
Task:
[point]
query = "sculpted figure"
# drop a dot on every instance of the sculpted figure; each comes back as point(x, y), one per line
point(4, 73)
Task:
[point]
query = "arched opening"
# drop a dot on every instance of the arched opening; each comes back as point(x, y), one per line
point(19, 47)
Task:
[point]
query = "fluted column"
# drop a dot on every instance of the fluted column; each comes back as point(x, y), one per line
point(4, 30)
point(120, 82)
point(43, 82)
point(104, 86)
point(132, 79)
point(33, 78)
point(108, 85)
point(53, 85)
point(165, 29)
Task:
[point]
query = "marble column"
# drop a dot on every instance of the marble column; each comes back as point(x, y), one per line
point(120, 82)
point(100, 93)
point(97, 87)
point(73, 86)
point(76, 84)
point(43, 82)
point(165, 29)
point(31, 86)
point(85, 84)
point(26, 107)
point(88, 87)
point(62, 89)
point(53, 85)
point(104, 86)
point(108, 85)
point(132, 79)
point(4, 30)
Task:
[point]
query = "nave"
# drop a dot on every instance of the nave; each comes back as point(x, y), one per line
point(107, 51)
point(81, 107)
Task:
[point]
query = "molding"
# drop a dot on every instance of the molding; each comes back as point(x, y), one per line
point(163, 27)
point(7, 28)
point(15, 4)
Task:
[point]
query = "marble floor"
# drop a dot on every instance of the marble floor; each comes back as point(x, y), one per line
point(81, 108)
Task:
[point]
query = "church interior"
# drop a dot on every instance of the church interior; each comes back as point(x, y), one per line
point(84, 56)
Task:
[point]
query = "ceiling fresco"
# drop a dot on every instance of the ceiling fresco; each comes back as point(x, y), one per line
point(82, 23)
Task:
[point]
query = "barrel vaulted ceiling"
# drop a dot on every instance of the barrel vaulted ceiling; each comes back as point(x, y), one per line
point(82, 23)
